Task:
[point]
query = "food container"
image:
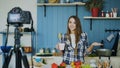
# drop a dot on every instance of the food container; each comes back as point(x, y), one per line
point(103, 52)
point(27, 49)
point(41, 1)
point(6, 49)
point(38, 62)
point(53, 1)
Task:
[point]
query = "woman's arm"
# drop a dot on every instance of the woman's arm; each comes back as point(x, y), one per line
point(92, 46)
point(85, 40)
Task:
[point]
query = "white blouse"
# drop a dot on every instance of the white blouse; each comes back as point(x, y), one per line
point(73, 40)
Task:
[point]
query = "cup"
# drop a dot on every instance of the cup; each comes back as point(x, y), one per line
point(61, 46)
point(114, 14)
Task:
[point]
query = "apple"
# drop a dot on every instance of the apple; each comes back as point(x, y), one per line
point(63, 64)
point(78, 66)
point(77, 63)
point(54, 65)
point(72, 63)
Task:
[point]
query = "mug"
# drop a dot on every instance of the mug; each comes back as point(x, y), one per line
point(114, 14)
point(61, 46)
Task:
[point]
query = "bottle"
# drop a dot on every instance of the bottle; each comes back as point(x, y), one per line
point(67, 1)
point(54, 50)
point(107, 14)
point(41, 50)
point(102, 14)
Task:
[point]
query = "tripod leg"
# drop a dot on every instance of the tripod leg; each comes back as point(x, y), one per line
point(18, 58)
point(24, 58)
point(7, 59)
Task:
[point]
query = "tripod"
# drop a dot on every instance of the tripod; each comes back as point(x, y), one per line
point(19, 54)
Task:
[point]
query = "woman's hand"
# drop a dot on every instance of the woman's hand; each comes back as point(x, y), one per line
point(97, 44)
point(60, 46)
point(92, 45)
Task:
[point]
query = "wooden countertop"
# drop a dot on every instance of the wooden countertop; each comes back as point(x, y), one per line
point(58, 59)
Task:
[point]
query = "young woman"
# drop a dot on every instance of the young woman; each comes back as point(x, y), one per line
point(76, 45)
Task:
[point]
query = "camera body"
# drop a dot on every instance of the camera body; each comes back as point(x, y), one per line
point(18, 16)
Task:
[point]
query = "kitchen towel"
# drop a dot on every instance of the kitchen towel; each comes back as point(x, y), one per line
point(115, 45)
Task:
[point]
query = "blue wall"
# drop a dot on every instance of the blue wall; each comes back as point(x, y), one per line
point(56, 18)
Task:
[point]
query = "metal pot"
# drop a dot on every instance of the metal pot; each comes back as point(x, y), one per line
point(103, 52)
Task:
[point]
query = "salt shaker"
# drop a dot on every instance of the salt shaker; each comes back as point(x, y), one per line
point(107, 14)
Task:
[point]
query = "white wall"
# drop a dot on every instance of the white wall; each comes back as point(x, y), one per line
point(7, 5)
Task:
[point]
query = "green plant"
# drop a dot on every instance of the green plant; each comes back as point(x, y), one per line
point(94, 4)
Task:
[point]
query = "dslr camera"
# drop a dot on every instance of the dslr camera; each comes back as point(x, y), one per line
point(18, 16)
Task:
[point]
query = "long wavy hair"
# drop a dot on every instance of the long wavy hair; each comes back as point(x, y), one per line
point(78, 29)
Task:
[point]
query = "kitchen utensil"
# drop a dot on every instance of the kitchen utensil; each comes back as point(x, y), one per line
point(60, 36)
point(103, 52)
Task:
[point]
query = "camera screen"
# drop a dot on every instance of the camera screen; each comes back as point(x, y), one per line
point(14, 18)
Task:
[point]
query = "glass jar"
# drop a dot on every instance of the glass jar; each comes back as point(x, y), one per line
point(41, 1)
point(41, 50)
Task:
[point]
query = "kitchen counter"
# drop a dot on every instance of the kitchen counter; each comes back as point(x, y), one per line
point(58, 59)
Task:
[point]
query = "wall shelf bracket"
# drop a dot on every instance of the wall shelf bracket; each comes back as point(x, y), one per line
point(90, 24)
point(76, 10)
point(44, 10)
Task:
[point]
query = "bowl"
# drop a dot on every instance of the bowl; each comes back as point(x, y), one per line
point(6, 49)
point(103, 52)
point(27, 49)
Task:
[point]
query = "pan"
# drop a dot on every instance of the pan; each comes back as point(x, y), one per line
point(103, 52)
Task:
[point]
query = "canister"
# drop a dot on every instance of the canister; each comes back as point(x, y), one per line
point(41, 1)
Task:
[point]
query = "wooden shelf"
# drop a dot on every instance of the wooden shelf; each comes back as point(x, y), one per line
point(89, 17)
point(2, 32)
point(76, 4)
point(60, 4)
point(100, 18)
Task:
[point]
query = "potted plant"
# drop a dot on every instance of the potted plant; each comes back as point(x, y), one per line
point(94, 6)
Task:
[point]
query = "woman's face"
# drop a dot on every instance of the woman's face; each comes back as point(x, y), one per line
point(71, 24)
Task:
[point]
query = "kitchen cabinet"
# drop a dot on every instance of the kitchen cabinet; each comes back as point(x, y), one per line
point(99, 18)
